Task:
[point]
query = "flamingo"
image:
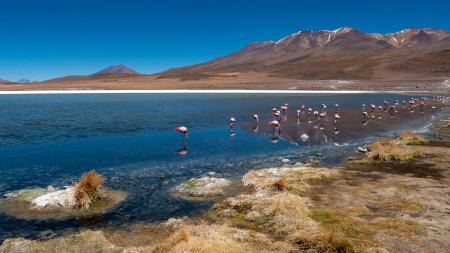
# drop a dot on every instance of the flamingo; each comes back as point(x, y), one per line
point(365, 118)
point(256, 118)
point(422, 104)
point(275, 124)
point(276, 115)
point(316, 114)
point(380, 108)
point(322, 115)
point(324, 109)
point(183, 130)
point(302, 109)
point(309, 114)
point(336, 119)
point(392, 111)
point(284, 108)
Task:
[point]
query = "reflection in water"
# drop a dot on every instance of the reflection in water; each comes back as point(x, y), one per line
point(129, 138)
point(340, 126)
point(183, 150)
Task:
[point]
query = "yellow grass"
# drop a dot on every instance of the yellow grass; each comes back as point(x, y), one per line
point(410, 138)
point(87, 190)
point(280, 184)
point(386, 150)
point(205, 238)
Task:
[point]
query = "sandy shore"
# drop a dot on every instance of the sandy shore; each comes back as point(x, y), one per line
point(187, 91)
point(240, 81)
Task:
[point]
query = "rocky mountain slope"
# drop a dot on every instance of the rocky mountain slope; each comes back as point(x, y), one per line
point(344, 53)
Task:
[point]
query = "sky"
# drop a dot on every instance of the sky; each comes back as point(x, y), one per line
point(44, 39)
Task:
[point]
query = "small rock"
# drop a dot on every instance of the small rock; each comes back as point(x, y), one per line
point(363, 149)
point(285, 160)
point(253, 216)
point(319, 154)
point(304, 137)
point(174, 223)
point(211, 174)
point(203, 187)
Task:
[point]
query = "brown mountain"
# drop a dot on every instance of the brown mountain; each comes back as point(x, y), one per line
point(116, 70)
point(2, 81)
point(111, 71)
point(345, 53)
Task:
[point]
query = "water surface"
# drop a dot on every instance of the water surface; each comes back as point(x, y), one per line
point(129, 138)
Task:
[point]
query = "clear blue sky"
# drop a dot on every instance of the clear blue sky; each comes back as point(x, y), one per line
point(41, 39)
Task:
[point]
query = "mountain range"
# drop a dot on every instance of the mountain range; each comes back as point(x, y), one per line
point(111, 71)
point(344, 53)
point(341, 54)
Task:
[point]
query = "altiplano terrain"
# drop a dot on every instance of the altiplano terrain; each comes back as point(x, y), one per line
point(342, 59)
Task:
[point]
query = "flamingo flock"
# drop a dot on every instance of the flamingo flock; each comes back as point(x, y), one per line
point(413, 105)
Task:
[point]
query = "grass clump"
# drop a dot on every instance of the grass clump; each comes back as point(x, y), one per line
point(205, 238)
point(334, 235)
point(403, 205)
point(87, 190)
point(280, 184)
point(386, 150)
point(410, 138)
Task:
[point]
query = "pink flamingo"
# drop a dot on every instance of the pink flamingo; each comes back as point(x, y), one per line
point(183, 130)
point(275, 124)
point(309, 114)
point(335, 123)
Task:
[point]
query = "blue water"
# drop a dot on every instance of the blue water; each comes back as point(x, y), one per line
point(129, 138)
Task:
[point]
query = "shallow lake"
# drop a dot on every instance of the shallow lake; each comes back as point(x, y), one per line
point(130, 139)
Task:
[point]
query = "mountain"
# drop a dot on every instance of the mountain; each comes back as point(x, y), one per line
point(2, 81)
point(24, 80)
point(116, 70)
point(344, 53)
point(111, 71)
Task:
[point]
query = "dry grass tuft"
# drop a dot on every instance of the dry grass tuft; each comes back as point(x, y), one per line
point(410, 138)
point(403, 205)
point(285, 213)
point(280, 184)
point(397, 226)
point(87, 191)
point(334, 235)
point(206, 238)
point(386, 150)
point(326, 241)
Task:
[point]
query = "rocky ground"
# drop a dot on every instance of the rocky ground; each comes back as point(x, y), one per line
point(374, 202)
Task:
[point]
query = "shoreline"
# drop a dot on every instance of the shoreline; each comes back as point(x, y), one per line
point(360, 206)
point(190, 91)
